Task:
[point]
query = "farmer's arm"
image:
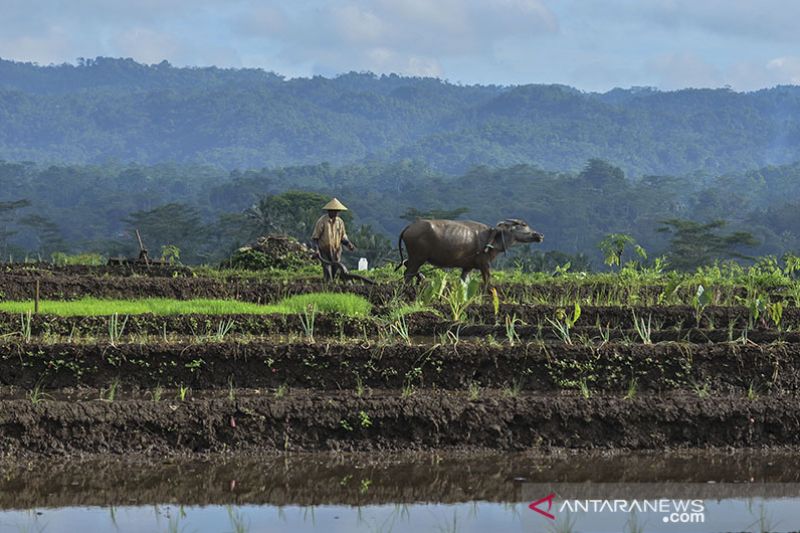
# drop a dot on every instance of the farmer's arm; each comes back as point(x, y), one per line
point(319, 227)
point(346, 240)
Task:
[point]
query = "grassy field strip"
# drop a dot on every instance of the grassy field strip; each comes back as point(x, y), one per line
point(346, 304)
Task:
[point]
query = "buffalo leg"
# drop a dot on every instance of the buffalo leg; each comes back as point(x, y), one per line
point(486, 274)
point(464, 273)
point(412, 270)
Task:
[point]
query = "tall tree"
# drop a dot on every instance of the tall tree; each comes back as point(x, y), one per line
point(7, 212)
point(694, 244)
point(602, 175)
point(170, 224)
point(47, 234)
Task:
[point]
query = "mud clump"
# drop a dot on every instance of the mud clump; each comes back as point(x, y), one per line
point(271, 251)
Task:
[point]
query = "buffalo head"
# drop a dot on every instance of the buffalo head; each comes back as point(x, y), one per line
point(519, 230)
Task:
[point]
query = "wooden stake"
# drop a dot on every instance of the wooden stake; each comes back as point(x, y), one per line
point(36, 299)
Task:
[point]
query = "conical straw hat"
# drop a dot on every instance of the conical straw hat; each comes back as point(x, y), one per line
point(334, 205)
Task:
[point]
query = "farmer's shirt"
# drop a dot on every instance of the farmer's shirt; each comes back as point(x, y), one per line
point(330, 232)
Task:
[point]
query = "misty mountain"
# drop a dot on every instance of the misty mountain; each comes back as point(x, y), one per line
point(116, 110)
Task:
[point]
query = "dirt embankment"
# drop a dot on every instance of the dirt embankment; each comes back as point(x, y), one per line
point(711, 368)
point(17, 282)
point(609, 390)
point(262, 396)
point(34, 270)
point(317, 421)
point(57, 287)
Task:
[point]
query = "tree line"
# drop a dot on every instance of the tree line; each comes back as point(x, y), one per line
point(207, 213)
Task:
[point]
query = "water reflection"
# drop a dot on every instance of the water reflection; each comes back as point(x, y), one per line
point(466, 517)
point(744, 491)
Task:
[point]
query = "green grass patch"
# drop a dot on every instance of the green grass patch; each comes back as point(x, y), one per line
point(346, 304)
point(404, 310)
point(327, 302)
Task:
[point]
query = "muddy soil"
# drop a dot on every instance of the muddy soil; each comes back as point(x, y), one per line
point(201, 327)
point(58, 287)
point(659, 317)
point(17, 282)
point(39, 269)
point(338, 479)
point(319, 421)
point(733, 368)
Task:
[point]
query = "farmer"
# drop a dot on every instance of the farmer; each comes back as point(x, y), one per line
point(329, 236)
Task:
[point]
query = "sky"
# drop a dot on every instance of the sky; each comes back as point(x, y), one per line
point(594, 45)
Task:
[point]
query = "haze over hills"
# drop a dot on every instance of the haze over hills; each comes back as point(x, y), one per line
point(105, 110)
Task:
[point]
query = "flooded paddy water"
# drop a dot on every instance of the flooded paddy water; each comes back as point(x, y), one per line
point(682, 492)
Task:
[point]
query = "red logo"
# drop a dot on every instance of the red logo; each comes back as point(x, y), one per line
point(549, 499)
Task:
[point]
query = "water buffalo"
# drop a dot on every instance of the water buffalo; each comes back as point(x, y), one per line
point(460, 244)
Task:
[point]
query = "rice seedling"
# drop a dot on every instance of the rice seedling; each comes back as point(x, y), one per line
point(511, 329)
point(632, 386)
point(223, 328)
point(116, 328)
point(605, 334)
point(341, 303)
point(182, 392)
point(324, 302)
point(37, 394)
point(644, 330)
point(703, 391)
point(400, 328)
point(307, 319)
point(110, 393)
point(752, 392)
point(583, 387)
point(359, 386)
point(25, 325)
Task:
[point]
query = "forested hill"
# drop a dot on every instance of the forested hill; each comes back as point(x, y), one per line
point(118, 110)
point(208, 212)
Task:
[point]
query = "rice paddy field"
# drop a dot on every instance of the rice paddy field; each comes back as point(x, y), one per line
point(438, 407)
